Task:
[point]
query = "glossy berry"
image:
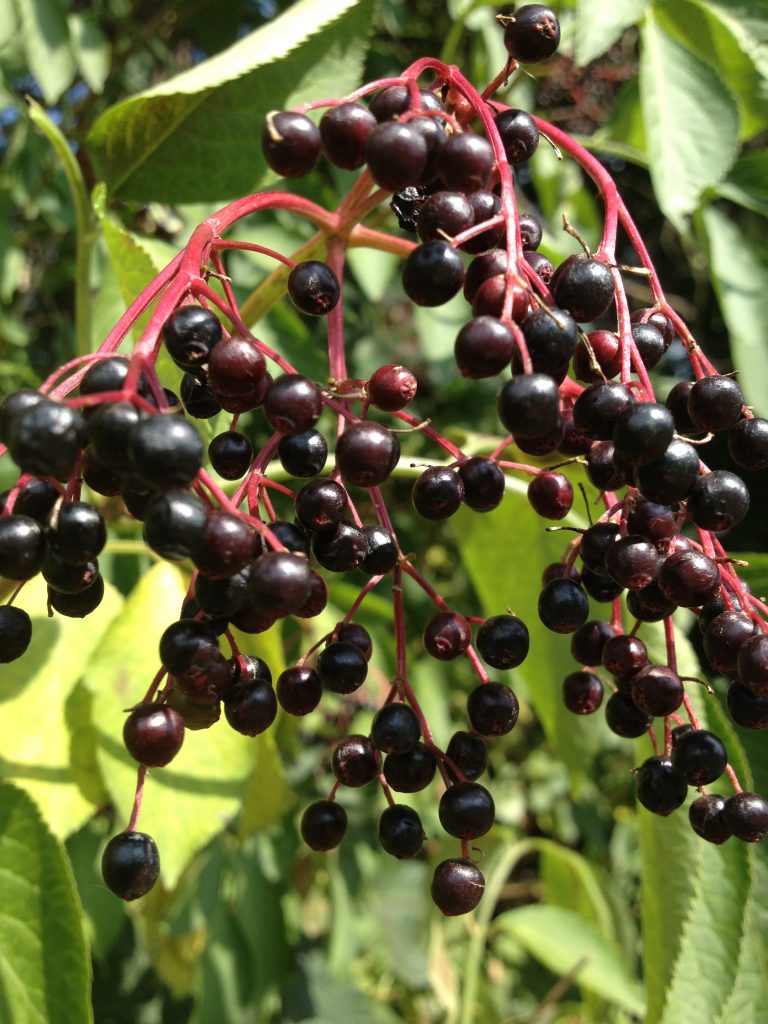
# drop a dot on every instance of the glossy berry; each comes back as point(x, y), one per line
point(313, 288)
point(198, 397)
point(642, 432)
point(597, 357)
point(532, 34)
point(563, 606)
point(689, 578)
point(671, 477)
point(437, 493)
point(354, 633)
point(45, 438)
point(650, 344)
point(36, 499)
point(457, 887)
point(304, 454)
point(468, 753)
point(444, 213)
point(397, 99)
point(588, 642)
point(13, 405)
point(752, 663)
point(292, 404)
point(15, 633)
point(231, 454)
point(483, 348)
point(660, 788)
point(396, 155)
point(715, 403)
point(366, 453)
point(483, 483)
point(395, 729)
point(624, 655)
point(23, 547)
point(77, 606)
point(165, 451)
point(466, 810)
point(747, 708)
point(344, 131)
point(582, 693)
point(595, 543)
point(503, 641)
point(433, 274)
point(401, 833)
point(321, 504)
point(746, 815)
point(657, 690)
point(551, 336)
point(529, 405)
point(718, 501)
point(190, 334)
point(597, 409)
point(583, 286)
point(323, 825)
point(153, 734)
point(291, 143)
point(410, 772)
point(519, 136)
point(280, 582)
point(633, 562)
point(707, 820)
point(299, 690)
point(465, 162)
point(677, 403)
point(492, 709)
point(77, 532)
point(250, 708)
point(130, 864)
point(748, 443)
point(381, 552)
point(700, 757)
point(551, 495)
point(342, 667)
point(723, 638)
point(447, 636)
point(237, 373)
point(625, 718)
point(392, 387)
point(354, 761)
point(174, 522)
point(225, 546)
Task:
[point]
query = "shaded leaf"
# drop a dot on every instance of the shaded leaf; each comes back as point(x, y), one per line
point(682, 98)
point(44, 966)
point(565, 943)
point(198, 136)
point(747, 182)
point(46, 44)
point(91, 49)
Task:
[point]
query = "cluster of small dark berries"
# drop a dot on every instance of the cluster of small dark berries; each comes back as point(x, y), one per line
point(261, 549)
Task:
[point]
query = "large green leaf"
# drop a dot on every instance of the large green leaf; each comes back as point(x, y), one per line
point(565, 943)
point(41, 718)
point(700, 28)
point(44, 963)
point(682, 99)
point(198, 136)
point(599, 23)
point(504, 552)
point(194, 797)
point(46, 44)
point(739, 273)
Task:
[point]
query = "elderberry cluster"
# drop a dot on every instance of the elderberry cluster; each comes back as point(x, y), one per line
point(261, 550)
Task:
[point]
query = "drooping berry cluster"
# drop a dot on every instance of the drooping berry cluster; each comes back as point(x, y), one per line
point(260, 550)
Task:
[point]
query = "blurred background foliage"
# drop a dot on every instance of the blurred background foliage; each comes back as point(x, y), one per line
point(122, 124)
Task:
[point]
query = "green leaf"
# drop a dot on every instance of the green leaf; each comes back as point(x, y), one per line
point(682, 98)
point(740, 277)
point(44, 964)
point(193, 798)
point(131, 260)
point(571, 882)
point(401, 910)
point(91, 48)
point(599, 23)
point(565, 943)
point(756, 572)
point(198, 136)
point(699, 27)
point(500, 584)
point(46, 44)
point(747, 182)
point(38, 751)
